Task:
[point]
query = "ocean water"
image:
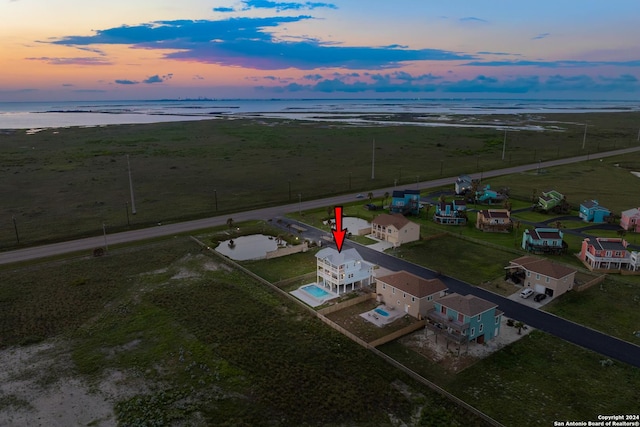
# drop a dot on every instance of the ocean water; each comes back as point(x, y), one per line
point(37, 115)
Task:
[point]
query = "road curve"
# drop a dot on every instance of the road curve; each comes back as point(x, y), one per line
point(89, 243)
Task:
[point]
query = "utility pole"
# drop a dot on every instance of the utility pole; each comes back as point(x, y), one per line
point(15, 226)
point(584, 138)
point(504, 144)
point(373, 160)
point(133, 203)
point(104, 232)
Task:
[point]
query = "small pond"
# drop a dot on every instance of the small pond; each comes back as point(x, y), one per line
point(254, 246)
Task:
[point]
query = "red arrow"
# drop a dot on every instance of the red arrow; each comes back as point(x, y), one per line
point(339, 233)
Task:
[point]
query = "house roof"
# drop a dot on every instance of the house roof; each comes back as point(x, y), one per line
point(631, 212)
point(495, 213)
point(339, 258)
point(468, 305)
point(543, 266)
point(605, 244)
point(396, 220)
point(546, 233)
point(590, 204)
point(464, 179)
point(402, 193)
point(413, 285)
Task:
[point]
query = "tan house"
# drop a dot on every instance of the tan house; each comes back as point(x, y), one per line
point(497, 220)
point(409, 293)
point(544, 276)
point(395, 229)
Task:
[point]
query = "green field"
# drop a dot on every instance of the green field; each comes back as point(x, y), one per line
point(68, 182)
point(210, 344)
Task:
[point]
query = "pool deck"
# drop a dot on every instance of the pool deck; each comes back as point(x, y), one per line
point(310, 300)
point(380, 320)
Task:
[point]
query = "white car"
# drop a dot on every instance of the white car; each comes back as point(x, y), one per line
point(526, 293)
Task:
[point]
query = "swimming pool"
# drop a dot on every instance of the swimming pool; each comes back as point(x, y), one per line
point(316, 291)
point(381, 312)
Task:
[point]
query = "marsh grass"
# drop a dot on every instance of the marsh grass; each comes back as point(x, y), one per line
point(565, 381)
point(67, 184)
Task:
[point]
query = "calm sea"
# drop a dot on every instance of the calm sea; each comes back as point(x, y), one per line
point(36, 115)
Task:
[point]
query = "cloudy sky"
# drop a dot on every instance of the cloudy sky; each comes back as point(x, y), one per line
point(129, 49)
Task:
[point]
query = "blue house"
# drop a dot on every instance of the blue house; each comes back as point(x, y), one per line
point(544, 240)
point(466, 318)
point(591, 211)
point(451, 213)
point(405, 202)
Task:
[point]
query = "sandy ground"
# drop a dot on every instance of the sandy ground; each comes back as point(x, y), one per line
point(424, 341)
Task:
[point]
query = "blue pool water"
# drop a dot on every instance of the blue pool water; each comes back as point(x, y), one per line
point(381, 312)
point(316, 291)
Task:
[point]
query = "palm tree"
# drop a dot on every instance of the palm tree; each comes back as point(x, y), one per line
point(519, 325)
point(370, 196)
point(230, 222)
point(558, 225)
point(384, 198)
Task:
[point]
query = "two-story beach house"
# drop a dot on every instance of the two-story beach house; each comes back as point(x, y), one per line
point(549, 199)
point(406, 202)
point(495, 220)
point(451, 213)
point(395, 229)
point(343, 271)
point(466, 318)
point(544, 241)
point(591, 211)
point(544, 276)
point(630, 220)
point(463, 184)
point(410, 293)
point(605, 254)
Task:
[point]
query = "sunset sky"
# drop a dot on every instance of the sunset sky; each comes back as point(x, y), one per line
point(86, 49)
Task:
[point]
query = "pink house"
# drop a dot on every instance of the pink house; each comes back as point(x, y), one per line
point(630, 220)
point(605, 254)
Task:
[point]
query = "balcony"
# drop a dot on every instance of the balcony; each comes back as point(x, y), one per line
point(447, 322)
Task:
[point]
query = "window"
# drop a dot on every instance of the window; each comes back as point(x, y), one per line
point(430, 297)
point(473, 332)
point(393, 290)
point(443, 309)
point(547, 280)
point(413, 299)
point(528, 274)
point(481, 327)
point(404, 295)
point(497, 319)
point(460, 317)
point(537, 276)
point(479, 317)
point(384, 286)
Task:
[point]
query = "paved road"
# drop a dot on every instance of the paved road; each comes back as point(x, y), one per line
point(572, 332)
point(88, 244)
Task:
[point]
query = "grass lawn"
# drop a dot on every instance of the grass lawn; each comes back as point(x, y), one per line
point(277, 269)
point(613, 307)
point(209, 343)
point(535, 381)
point(462, 259)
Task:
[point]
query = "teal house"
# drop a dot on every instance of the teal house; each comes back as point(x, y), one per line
point(466, 317)
point(405, 202)
point(591, 211)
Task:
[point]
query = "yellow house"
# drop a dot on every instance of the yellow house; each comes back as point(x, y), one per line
point(395, 229)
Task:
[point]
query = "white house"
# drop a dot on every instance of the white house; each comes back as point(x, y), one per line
point(344, 271)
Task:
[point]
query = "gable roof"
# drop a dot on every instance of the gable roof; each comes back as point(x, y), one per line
point(545, 233)
point(339, 258)
point(543, 266)
point(607, 244)
point(631, 212)
point(469, 305)
point(495, 213)
point(396, 220)
point(413, 285)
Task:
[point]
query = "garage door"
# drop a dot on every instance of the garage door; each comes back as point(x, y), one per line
point(540, 289)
